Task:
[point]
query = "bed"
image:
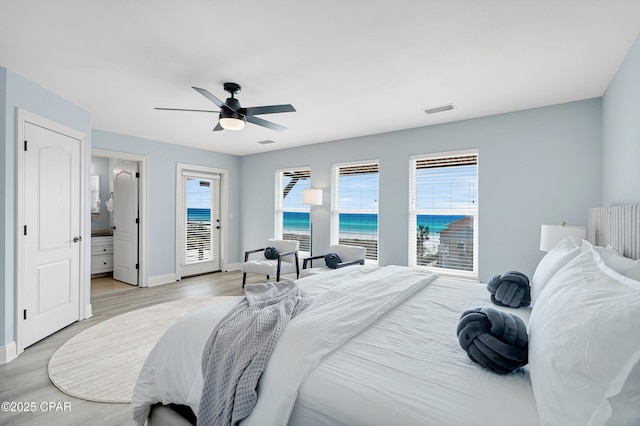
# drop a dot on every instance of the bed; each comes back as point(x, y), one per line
point(390, 354)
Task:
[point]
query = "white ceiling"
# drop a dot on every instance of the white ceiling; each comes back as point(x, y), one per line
point(350, 68)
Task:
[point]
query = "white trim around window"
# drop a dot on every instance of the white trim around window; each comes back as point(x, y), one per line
point(443, 212)
point(354, 205)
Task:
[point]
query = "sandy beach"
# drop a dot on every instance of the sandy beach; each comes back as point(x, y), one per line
point(370, 245)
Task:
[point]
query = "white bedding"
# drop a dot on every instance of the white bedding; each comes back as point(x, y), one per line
point(404, 368)
point(408, 369)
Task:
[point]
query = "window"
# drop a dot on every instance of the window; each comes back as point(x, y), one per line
point(292, 217)
point(443, 212)
point(354, 206)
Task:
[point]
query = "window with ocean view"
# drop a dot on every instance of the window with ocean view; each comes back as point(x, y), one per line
point(354, 211)
point(443, 212)
point(292, 217)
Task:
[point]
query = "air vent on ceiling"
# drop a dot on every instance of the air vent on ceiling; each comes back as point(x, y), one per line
point(442, 108)
point(267, 142)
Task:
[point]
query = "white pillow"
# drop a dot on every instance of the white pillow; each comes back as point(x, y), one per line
point(584, 345)
point(622, 265)
point(556, 258)
point(634, 273)
point(616, 261)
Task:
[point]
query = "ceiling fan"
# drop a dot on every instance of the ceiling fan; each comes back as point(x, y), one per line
point(232, 115)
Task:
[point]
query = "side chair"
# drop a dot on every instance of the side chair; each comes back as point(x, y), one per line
point(281, 258)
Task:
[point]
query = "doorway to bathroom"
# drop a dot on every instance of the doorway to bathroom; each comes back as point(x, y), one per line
point(118, 217)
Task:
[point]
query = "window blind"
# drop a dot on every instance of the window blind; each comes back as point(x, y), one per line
point(354, 213)
point(443, 212)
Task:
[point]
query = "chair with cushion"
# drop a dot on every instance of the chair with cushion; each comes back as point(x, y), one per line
point(276, 258)
point(339, 256)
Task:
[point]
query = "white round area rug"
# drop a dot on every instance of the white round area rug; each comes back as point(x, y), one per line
point(102, 363)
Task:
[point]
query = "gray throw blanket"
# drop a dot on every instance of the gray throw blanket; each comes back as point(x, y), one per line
point(239, 348)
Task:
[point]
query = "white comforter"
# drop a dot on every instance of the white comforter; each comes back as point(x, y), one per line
point(393, 359)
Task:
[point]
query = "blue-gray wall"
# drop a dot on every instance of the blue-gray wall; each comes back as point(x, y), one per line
point(540, 166)
point(621, 133)
point(18, 92)
point(162, 160)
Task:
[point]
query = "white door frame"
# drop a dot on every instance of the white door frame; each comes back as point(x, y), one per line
point(224, 211)
point(143, 196)
point(23, 116)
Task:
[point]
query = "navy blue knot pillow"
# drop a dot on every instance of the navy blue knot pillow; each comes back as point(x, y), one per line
point(332, 260)
point(271, 253)
point(496, 340)
point(510, 289)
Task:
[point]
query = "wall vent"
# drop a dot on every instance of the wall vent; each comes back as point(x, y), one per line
point(442, 108)
point(267, 142)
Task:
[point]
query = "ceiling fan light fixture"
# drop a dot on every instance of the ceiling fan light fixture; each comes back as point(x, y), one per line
point(232, 123)
point(233, 116)
point(231, 120)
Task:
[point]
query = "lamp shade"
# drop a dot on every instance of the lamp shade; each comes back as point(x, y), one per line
point(312, 197)
point(550, 235)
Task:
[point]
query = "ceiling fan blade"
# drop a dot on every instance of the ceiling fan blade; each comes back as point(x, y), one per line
point(188, 110)
point(218, 127)
point(269, 109)
point(265, 123)
point(209, 96)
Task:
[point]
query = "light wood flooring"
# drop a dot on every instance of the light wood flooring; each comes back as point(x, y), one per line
point(26, 380)
point(105, 285)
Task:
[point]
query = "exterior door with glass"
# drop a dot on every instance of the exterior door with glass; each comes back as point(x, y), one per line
point(199, 220)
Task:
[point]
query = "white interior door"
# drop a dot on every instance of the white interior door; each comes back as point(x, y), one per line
point(52, 237)
point(199, 222)
point(125, 221)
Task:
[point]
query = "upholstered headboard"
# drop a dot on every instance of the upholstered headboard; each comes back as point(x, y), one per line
point(617, 226)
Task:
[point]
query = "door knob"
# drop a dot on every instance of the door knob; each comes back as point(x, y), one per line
point(76, 239)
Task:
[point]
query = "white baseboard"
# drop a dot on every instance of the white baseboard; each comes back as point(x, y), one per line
point(233, 267)
point(8, 353)
point(161, 279)
point(171, 278)
point(88, 311)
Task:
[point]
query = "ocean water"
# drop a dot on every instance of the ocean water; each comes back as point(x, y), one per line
point(295, 222)
point(199, 215)
point(362, 225)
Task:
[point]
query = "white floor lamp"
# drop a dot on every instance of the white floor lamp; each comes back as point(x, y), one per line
point(311, 197)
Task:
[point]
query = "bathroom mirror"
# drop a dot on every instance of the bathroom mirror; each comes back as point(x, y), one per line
point(96, 200)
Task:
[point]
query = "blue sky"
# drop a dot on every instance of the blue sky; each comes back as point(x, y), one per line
point(293, 200)
point(359, 192)
point(364, 187)
point(447, 188)
point(436, 189)
point(198, 197)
